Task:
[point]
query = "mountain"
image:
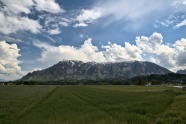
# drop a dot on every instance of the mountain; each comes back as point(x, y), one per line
point(181, 71)
point(156, 79)
point(71, 71)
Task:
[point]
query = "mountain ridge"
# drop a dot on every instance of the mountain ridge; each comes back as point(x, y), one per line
point(181, 71)
point(71, 70)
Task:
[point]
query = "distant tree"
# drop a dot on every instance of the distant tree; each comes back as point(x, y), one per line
point(141, 82)
point(184, 81)
point(155, 82)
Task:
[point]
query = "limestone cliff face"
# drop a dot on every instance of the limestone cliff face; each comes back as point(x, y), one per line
point(78, 70)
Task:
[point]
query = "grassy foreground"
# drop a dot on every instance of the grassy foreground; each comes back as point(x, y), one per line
point(92, 105)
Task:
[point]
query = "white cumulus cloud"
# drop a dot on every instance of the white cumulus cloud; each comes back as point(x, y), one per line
point(159, 52)
point(9, 64)
point(88, 52)
point(53, 54)
point(128, 52)
point(169, 56)
point(180, 47)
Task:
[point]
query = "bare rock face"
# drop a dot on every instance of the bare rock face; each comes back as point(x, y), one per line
point(78, 70)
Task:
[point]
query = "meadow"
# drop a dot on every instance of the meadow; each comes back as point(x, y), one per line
point(92, 105)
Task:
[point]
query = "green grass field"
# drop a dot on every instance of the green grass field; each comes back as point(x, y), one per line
point(92, 105)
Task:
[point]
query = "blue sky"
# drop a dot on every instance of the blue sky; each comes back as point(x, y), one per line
point(36, 34)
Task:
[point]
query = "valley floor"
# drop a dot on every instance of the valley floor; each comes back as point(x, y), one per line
point(92, 105)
